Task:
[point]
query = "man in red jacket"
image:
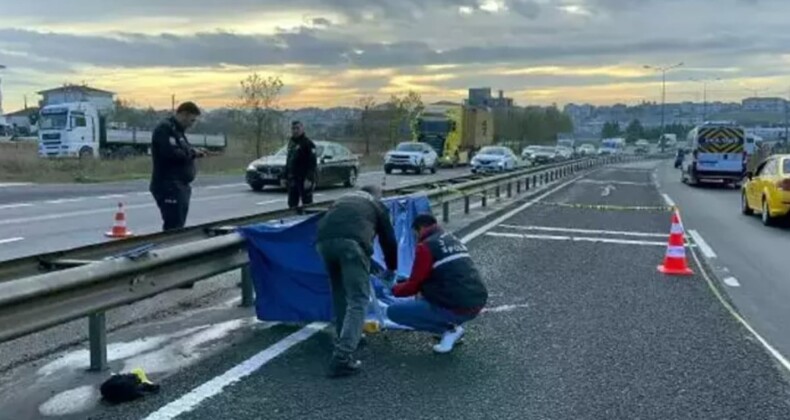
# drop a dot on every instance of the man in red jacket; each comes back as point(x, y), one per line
point(450, 289)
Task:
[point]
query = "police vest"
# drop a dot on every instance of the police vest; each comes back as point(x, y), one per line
point(454, 283)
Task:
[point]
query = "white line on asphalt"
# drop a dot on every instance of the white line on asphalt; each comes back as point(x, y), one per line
point(707, 251)
point(65, 200)
point(775, 353)
point(192, 399)
point(668, 200)
point(732, 282)
point(9, 240)
point(143, 194)
point(590, 231)
point(602, 182)
point(577, 239)
point(267, 202)
point(14, 184)
point(506, 308)
point(110, 196)
point(15, 206)
point(219, 187)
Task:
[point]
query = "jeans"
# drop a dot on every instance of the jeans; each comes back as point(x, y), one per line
point(424, 316)
point(348, 267)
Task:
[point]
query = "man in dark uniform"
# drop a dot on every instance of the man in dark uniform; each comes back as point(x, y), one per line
point(301, 167)
point(345, 243)
point(174, 166)
point(450, 287)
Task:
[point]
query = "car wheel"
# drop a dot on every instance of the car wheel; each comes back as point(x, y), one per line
point(433, 168)
point(745, 209)
point(257, 187)
point(387, 170)
point(421, 168)
point(351, 180)
point(766, 217)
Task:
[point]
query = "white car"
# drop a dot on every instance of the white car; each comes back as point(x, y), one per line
point(587, 150)
point(564, 153)
point(494, 159)
point(411, 156)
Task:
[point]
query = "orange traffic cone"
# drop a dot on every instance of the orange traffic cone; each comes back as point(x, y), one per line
point(675, 263)
point(119, 228)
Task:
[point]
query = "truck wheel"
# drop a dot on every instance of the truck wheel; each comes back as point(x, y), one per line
point(86, 153)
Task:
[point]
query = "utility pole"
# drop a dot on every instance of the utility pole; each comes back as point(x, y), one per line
point(705, 94)
point(787, 126)
point(173, 103)
point(663, 71)
point(2, 67)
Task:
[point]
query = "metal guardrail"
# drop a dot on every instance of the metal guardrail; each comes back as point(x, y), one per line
point(34, 303)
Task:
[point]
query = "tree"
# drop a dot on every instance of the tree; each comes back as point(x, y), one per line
point(366, 103)
point(611, 129)
point(634, 131)
point(404, 110)
point(258, 106)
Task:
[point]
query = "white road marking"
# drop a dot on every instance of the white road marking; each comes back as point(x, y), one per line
point(192, 399)
point(15, 206)
point(707, 251)
point(110, 196)
point(607, 190)
point(732, 282)
point(588, 231)
point(668, 200)
point(143, 194)
point(506, 308)
point(9, 240)
point(14, 184)
point(65, 200)
point(602, 182)
point(267, 202)
point(577, 239)
point(219, 187)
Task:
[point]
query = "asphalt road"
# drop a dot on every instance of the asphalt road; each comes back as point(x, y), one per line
point(754, 255)
point(44, 218)
point(580, 325)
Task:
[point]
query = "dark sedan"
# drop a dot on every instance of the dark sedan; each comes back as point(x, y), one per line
point(336, 165)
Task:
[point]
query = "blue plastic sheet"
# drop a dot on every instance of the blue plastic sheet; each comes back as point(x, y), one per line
point(291, 284)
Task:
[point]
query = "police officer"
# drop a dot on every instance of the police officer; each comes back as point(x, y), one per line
point(300, 168)
point(451, 290)
point(174, 166)
point(345, 243)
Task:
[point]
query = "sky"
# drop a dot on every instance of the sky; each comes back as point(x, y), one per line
point(334, 52)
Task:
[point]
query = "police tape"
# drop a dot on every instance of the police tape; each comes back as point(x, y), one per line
point(608, 207)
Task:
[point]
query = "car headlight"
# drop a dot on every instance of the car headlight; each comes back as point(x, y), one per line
point(501, 163)
point(252, 167)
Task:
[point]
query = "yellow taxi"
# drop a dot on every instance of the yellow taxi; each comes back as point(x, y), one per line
point(767, 189)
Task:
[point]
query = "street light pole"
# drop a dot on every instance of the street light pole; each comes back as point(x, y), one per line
point(663, 71)
point(705, 94)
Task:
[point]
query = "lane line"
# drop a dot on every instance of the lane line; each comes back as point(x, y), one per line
point(732, 282)
point(15, 206)
point(712, 286)
point(14, 184)
point(222, 186)
point(668, 200)
point(577, 239)
point(603, 182)
point(590, 231)
point(192, 399)
point(110, 196)
point(9, 240)
point(65, 200)
point(707, 251)
point(265, 203)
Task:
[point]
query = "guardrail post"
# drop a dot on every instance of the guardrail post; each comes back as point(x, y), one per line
point(509, 189)
point(496, 192)
point(247, 291)
point(526, 183)
point(97, 341)
point(485, 198)
point(518, 186)
point(446, 212)
point(466, 204)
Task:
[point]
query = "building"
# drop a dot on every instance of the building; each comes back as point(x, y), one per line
point(772, 105)
point(21, 120)
point(103, 100)
point(482, 97)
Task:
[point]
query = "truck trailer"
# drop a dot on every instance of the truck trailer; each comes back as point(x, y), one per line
point(455, 131)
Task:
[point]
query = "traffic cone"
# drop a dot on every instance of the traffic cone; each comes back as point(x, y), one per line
point(119, 228)
point(675, 262)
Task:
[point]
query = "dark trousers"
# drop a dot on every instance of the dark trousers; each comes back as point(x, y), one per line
point(348, 267)
point(173, 203)
point(297, 192)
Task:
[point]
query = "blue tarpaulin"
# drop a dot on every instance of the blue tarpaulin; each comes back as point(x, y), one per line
point(291, 284)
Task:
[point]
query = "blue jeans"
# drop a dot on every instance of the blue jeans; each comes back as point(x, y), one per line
point(423, 316)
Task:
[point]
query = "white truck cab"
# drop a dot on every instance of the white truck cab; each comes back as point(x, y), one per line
point(69, 130)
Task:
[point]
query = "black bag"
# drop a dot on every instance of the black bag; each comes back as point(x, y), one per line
point(126, 387)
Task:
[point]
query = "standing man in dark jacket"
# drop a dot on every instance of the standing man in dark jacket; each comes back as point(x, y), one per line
point(174, 166)
point(452, 291)
point(345, 243)
point(300, 168)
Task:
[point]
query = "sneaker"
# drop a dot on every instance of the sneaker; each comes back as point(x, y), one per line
point(339, 368)
point(448, 340)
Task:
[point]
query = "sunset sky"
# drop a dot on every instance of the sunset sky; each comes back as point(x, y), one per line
point(331, 52)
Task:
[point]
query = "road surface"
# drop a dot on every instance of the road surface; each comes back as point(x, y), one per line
point(580, 325)
point(43, 218)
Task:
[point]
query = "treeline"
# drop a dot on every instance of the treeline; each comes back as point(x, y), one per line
point(635, 131)
point(530, 125)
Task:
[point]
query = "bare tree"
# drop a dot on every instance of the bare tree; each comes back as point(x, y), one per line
point(366, 103)
point(404, 109)
point(258, 106)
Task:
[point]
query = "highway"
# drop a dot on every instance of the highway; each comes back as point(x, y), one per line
point(43, 218)
point(580, 325)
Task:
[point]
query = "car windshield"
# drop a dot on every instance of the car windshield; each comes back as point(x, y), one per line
point(53, 121)
point(409, 147)
point(496, 151)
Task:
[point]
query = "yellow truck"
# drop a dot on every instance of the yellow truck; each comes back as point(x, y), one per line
point(455, 131)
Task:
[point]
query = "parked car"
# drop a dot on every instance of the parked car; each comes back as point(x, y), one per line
point(564, 153)
point(587, 150)
point(494, 159)
point(540, 154)
point(411, 156)
point(642, 146)
point(336, 165)
point(767, 190)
